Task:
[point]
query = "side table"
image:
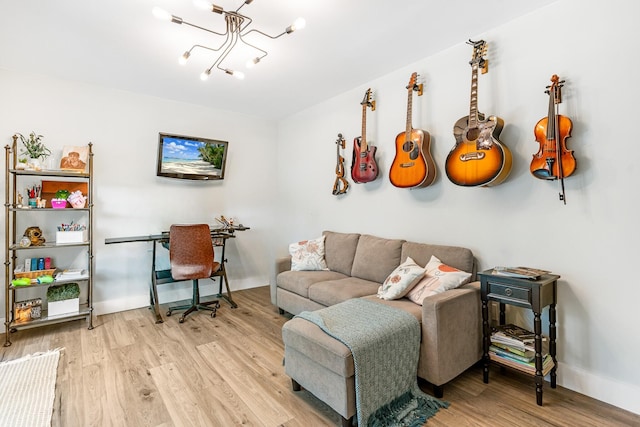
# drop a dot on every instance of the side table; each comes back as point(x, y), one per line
point(531, 294)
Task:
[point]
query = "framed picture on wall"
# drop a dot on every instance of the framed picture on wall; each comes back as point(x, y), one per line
point(74, 158)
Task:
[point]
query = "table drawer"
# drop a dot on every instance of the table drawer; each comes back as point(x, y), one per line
point(510, 292)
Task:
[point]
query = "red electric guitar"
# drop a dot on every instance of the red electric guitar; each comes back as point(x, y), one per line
point(363, 164)
point(413, 165)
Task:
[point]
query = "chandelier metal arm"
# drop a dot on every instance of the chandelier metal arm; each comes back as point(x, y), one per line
point(202, 28)
point(253, 46)
point(265, 34)
point(227, 50)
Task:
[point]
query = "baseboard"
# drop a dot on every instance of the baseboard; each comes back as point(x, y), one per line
point(167, 293)
point(608, 390)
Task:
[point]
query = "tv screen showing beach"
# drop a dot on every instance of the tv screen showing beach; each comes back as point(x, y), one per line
point(190, 157)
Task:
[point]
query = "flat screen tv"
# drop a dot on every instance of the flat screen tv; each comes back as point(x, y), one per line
point(189, 157)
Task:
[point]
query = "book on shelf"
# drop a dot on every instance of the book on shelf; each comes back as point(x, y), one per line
point(71, 273)
point(515, 337)
point(520, 272)
point(506, 351)
point(526, 367)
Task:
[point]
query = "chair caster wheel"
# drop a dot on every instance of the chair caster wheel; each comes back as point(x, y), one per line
point(181, 320)
point(213, 314)
point(169, 313)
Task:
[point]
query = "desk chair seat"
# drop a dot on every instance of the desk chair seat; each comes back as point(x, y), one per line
point(191, 258)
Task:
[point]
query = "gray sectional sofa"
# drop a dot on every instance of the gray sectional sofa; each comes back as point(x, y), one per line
point(357, 264)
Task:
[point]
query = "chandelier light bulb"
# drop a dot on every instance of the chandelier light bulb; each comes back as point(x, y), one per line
point(299, 24)
point(238, 75)
point(161, 14)
point(205, 74)
point(183, 59)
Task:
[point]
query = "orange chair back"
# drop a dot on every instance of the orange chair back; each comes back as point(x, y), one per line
point(190, 251)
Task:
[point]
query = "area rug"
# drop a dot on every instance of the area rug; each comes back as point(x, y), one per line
point(27, 389)
point(385, 344)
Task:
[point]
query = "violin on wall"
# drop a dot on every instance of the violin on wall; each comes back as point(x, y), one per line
point(553, 160)
point(340, 185)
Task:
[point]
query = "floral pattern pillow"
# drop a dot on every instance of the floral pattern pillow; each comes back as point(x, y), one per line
point(438, 278)
point(401, 280)
point(308, 255)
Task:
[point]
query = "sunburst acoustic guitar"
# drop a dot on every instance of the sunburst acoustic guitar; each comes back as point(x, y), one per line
point(413, 165)
point(478, 158)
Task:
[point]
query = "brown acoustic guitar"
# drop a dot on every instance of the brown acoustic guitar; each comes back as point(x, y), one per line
point(478, 158)
point(363, 164)
point(413, 165)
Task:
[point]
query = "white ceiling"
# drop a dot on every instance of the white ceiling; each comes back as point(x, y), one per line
point(119, 44)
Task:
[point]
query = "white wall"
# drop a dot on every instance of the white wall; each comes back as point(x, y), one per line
point(591, 242)
point(130, 200)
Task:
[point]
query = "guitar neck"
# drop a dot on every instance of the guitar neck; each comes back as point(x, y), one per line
point(409, 111)
point(363, 138)
point(473, 105)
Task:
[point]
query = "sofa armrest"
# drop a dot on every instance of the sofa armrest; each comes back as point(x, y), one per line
point(283, 264)
point(451, 333)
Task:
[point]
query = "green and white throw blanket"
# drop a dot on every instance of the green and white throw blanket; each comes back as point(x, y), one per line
point(385, 344)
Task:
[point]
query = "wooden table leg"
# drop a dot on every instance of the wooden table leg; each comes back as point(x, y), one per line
point(537, 328)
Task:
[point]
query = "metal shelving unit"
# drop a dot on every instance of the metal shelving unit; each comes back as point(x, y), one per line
point(13, 251)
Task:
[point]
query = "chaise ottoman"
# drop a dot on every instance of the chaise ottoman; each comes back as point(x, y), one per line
point(321, 364)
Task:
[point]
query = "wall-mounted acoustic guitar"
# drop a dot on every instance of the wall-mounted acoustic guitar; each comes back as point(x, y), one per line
point(413, 165)
point(478, 158)
point(363, 164)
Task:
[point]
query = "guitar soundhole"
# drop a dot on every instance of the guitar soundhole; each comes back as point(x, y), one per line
point(473, 134)
point(411, 148)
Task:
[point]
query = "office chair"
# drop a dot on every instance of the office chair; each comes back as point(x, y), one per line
point(191, 257)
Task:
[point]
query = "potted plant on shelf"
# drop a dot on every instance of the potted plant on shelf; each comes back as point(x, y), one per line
point(60, 200)
point(62, 299)
point(34, 149)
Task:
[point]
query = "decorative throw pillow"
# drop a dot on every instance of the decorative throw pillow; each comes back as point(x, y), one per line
point(401, 280)
point(308, 255)
point(438, 278)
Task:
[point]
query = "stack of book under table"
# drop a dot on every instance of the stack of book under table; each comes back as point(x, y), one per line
point(513, 346)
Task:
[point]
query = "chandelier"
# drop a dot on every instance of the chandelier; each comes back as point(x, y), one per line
point(237, 28)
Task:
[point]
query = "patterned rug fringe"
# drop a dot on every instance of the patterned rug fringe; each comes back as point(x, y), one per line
point(409, 410)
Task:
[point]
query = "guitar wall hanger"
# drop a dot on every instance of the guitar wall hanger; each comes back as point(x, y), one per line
point(417, 87)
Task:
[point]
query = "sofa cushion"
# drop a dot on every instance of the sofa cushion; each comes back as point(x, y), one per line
point(332, 292)
point(401, 280)
point(298, 282)
point(340, 249)
point(457, 257)
point(438, 278)
point(376, 258)
point(308, 255)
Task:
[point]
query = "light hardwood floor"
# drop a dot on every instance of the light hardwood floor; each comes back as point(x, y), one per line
point(225, 371)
